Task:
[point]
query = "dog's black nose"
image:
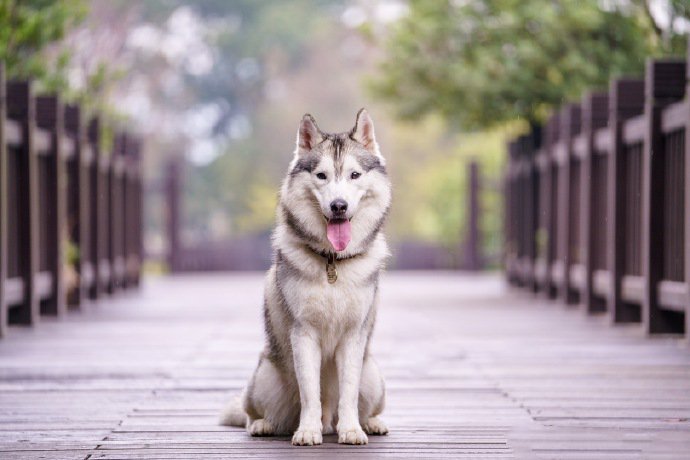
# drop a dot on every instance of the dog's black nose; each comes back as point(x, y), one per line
point(338, 207)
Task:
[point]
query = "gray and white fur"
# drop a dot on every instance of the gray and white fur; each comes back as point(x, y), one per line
point(316, 373)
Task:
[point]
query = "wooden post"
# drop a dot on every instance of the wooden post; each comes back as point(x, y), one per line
point(105, 271)
point(172, 190)
point(139, 212)
point(521, 210)
point(3, 206)
point(472, 252)
point(20, 107)
point(49, 114)
point(664, 84)
point(533, 144)
point(511, 244)
point(95, 209)
point(570, 119)
point(139, 194)
point(544, 228)
point(78, 195)
point(687, 208)
point(594, 117)
point(133, 217)
point(553, 205)
point(506, 219)
point(115, 174)
point(125, 221)
point(626, 101)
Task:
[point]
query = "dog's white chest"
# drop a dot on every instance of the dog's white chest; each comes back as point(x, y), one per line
point(339, 305)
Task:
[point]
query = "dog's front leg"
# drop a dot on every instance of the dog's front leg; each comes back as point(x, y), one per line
point(307, 357)
point(348, 358)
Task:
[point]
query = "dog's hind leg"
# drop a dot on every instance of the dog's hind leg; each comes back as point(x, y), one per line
point(272, 406)
point(372, 398)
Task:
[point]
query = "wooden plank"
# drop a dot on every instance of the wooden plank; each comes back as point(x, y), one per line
point(632, 289)
point(580, 147)
point(673, 295)
point(601, 283)
point(119, 382)
point(14, 291)
point(44, 285)
point(43, 142)
point(13, 132)
point(68, 147)
point(603, 140)
point(675, 117)
point(634, 129)
point(578, 277)
point(557, 272)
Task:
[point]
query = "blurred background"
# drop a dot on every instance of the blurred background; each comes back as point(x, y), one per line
point(216, 89)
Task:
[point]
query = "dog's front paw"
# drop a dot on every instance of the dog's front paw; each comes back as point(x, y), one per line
point(352, 435)
point(261, 427)
point(308, 437)
point(375, 426)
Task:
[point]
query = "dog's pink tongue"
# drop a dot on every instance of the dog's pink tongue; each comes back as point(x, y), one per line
point(338, 233)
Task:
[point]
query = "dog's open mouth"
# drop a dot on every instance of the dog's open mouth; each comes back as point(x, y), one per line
point(339, 233)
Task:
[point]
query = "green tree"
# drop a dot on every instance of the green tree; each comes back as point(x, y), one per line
point(484, 62)
point(28, 28)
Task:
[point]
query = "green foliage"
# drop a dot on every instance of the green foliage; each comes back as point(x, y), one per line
point(485, 62)
point(27, 28)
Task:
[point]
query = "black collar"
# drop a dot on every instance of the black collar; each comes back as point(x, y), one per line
point(331, 256)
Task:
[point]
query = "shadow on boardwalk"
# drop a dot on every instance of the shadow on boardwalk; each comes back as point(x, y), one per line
point(473, 371)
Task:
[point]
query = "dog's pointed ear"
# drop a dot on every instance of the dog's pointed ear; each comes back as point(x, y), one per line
point(308, 134)
point(363, 132)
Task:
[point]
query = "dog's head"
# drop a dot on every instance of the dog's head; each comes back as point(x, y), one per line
point(337, 193)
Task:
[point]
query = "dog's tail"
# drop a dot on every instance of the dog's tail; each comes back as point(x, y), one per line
point(234, 414)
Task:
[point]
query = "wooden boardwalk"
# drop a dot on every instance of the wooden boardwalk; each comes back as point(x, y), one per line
point(473, 371)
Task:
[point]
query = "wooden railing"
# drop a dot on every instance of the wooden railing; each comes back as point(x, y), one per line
point(70, 214)
point(598, 202)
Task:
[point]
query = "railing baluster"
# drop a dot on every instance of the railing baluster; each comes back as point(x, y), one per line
point(3, 206)
point(20, 108)
point(51, 188)
point(665, 83)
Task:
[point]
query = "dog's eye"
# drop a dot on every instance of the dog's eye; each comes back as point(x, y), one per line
point(355, 175)
point(321, 176)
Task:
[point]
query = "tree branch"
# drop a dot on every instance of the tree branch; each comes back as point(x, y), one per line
point(648, 12)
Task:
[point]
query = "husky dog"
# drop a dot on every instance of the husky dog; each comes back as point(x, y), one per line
point(316, 372)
